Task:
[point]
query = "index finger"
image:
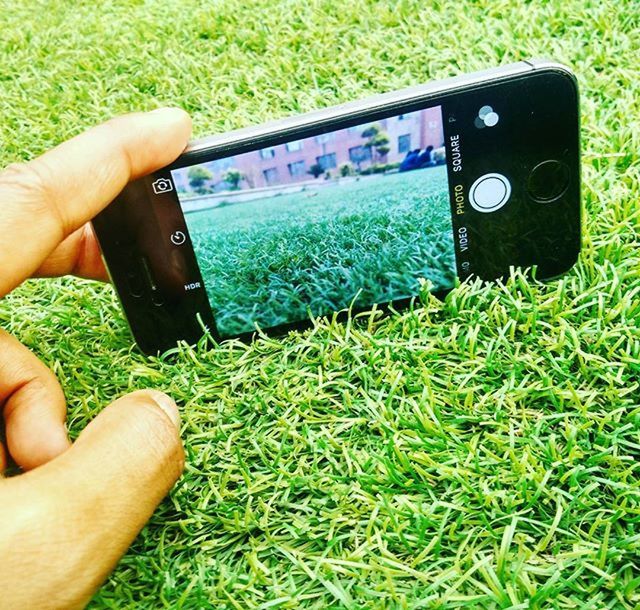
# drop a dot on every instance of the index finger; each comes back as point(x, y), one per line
point(45, 200)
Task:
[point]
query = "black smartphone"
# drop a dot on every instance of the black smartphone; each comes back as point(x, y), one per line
point(351, 206)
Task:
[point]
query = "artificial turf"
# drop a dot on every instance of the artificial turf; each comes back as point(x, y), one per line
point(480, 452)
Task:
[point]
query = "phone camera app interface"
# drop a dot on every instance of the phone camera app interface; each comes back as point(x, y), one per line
point(355, 216)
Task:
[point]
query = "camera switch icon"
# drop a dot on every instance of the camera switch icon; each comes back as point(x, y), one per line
point(161, 186)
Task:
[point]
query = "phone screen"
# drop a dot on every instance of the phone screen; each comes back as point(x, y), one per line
point(347, 218)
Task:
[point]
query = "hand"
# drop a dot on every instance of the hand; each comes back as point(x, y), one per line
point(68, 519)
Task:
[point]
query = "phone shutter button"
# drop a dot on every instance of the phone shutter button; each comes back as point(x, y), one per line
point(489, 193)
point(548, 181)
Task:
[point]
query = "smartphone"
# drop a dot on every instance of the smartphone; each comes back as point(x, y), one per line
point(351, 206)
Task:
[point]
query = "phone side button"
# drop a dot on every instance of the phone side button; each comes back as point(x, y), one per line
point(135, 285)
point(156, 298)
point(156, 294)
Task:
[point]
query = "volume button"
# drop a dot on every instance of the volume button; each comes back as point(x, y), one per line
point(135, 284)
point(156, 297)
point(147, 272)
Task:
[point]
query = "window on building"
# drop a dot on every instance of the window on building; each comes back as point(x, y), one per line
point(323, 138)
point(294, 146)
point(297, 168)
point(270, 175)
point(327, 161)
point(358, 154)
point(268, 153)
point(404, 143)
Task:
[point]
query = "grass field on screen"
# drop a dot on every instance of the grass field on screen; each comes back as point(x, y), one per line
point(269, 261)
point(476, 453)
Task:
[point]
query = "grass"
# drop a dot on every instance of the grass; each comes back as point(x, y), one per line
point(480, 452)
point(365, 242)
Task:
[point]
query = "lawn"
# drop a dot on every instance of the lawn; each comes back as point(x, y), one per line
point(481, 452)
point(270, 261)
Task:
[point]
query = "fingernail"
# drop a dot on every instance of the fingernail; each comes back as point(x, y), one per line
point(168, 405)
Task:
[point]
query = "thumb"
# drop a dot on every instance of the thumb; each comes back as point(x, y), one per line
point(69, 521)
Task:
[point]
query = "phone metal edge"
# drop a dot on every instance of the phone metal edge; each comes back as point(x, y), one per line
point(141, 344)
point(540, 63)
point(555, 66)
point(354, 108)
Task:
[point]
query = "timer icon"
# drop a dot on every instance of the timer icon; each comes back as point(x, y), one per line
point(178, 238)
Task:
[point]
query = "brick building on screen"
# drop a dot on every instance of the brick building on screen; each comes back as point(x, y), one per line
point(290, 163)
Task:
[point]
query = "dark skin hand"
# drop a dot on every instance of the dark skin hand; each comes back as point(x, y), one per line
point(72, 514)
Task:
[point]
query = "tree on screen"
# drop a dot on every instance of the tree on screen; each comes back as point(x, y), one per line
point(233, 177)
point(377, 141)
point(316, 170)
point(198, 176)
